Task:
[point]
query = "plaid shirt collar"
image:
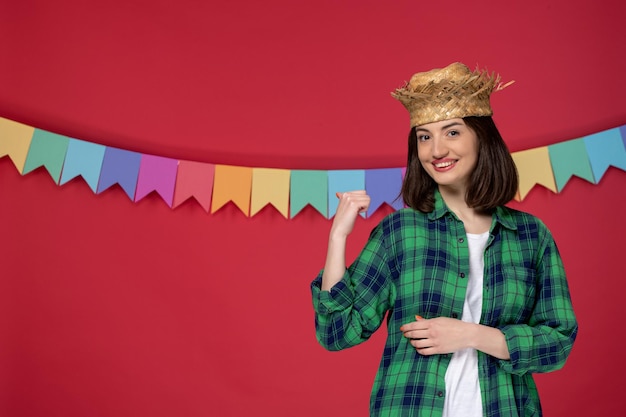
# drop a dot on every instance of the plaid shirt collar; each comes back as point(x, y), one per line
point(502, 214)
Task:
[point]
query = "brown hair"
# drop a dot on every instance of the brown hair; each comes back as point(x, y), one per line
point(493, 182)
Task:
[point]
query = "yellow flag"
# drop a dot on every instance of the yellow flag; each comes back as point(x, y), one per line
point(270, 186)
point(534, 167)
point(15, 141)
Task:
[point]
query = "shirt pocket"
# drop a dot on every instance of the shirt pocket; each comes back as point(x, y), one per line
point(519, 288)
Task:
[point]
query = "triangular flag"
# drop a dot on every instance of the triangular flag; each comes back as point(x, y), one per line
point(383, 186)
point(309, 187)
point(194, 179)
point(232, 183)
point(270, 186)
point(47, 149)
point(567, 159)
point(533, 167)
point(15, 140)
point(120, 167)
point(343, 181)
point(605, 149)
point(157, 173)
point(85, 159)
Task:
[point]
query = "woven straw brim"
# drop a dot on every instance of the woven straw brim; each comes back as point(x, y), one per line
point(448, 99)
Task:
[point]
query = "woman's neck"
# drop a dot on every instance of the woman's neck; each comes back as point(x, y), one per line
point(474, 221)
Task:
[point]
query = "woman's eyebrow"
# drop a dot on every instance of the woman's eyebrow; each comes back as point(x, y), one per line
point(451, 125)
point(421, 129)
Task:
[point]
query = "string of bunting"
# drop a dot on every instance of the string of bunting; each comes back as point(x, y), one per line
point(288, 191)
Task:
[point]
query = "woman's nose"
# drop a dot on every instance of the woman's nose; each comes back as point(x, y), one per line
point(439, 148)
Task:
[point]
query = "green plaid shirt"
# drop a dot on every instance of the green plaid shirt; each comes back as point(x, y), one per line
point(418, 263)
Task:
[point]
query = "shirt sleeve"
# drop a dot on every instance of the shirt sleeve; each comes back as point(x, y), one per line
point(544, 344)
point(355, 307)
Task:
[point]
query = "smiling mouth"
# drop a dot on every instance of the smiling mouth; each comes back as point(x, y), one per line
point(442, 165)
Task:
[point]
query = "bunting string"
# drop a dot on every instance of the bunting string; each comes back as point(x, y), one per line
point(288, 191)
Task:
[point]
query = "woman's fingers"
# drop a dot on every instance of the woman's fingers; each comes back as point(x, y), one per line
point(351, 203)
point(357, 199)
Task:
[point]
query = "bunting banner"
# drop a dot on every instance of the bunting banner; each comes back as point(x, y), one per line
point(287, 191)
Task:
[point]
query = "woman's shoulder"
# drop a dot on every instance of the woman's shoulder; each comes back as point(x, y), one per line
point(521, 220)
point(406, 214)
point(399, 225)
point(401, 220)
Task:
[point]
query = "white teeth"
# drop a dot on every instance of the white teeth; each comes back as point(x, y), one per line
point(443, 164)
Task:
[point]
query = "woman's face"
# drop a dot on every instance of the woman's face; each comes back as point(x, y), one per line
point(448, 151)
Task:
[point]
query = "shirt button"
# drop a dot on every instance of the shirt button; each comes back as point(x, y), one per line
point(440, 394)
point(455, 315)
point(461, 240)
point(462, 274)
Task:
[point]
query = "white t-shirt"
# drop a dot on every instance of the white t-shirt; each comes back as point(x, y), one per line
point(463, 396)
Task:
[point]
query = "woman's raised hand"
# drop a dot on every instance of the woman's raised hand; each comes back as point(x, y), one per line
point(351, 203)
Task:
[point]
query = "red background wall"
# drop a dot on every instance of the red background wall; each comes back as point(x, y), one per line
point(115, 308)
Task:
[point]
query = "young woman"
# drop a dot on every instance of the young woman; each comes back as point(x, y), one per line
point(474, 293)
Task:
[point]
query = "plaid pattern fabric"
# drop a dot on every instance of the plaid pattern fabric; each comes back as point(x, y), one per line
point(416, 263)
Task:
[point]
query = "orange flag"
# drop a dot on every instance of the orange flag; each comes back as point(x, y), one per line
point(232, 183)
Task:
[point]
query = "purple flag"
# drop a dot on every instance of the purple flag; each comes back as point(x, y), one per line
point(383, 186)
point(119, 167)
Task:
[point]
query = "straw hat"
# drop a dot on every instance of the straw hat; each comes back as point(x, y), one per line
point(448, 93)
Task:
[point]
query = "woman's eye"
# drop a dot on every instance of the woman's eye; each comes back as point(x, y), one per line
point(453, 133)
point(422, 138)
